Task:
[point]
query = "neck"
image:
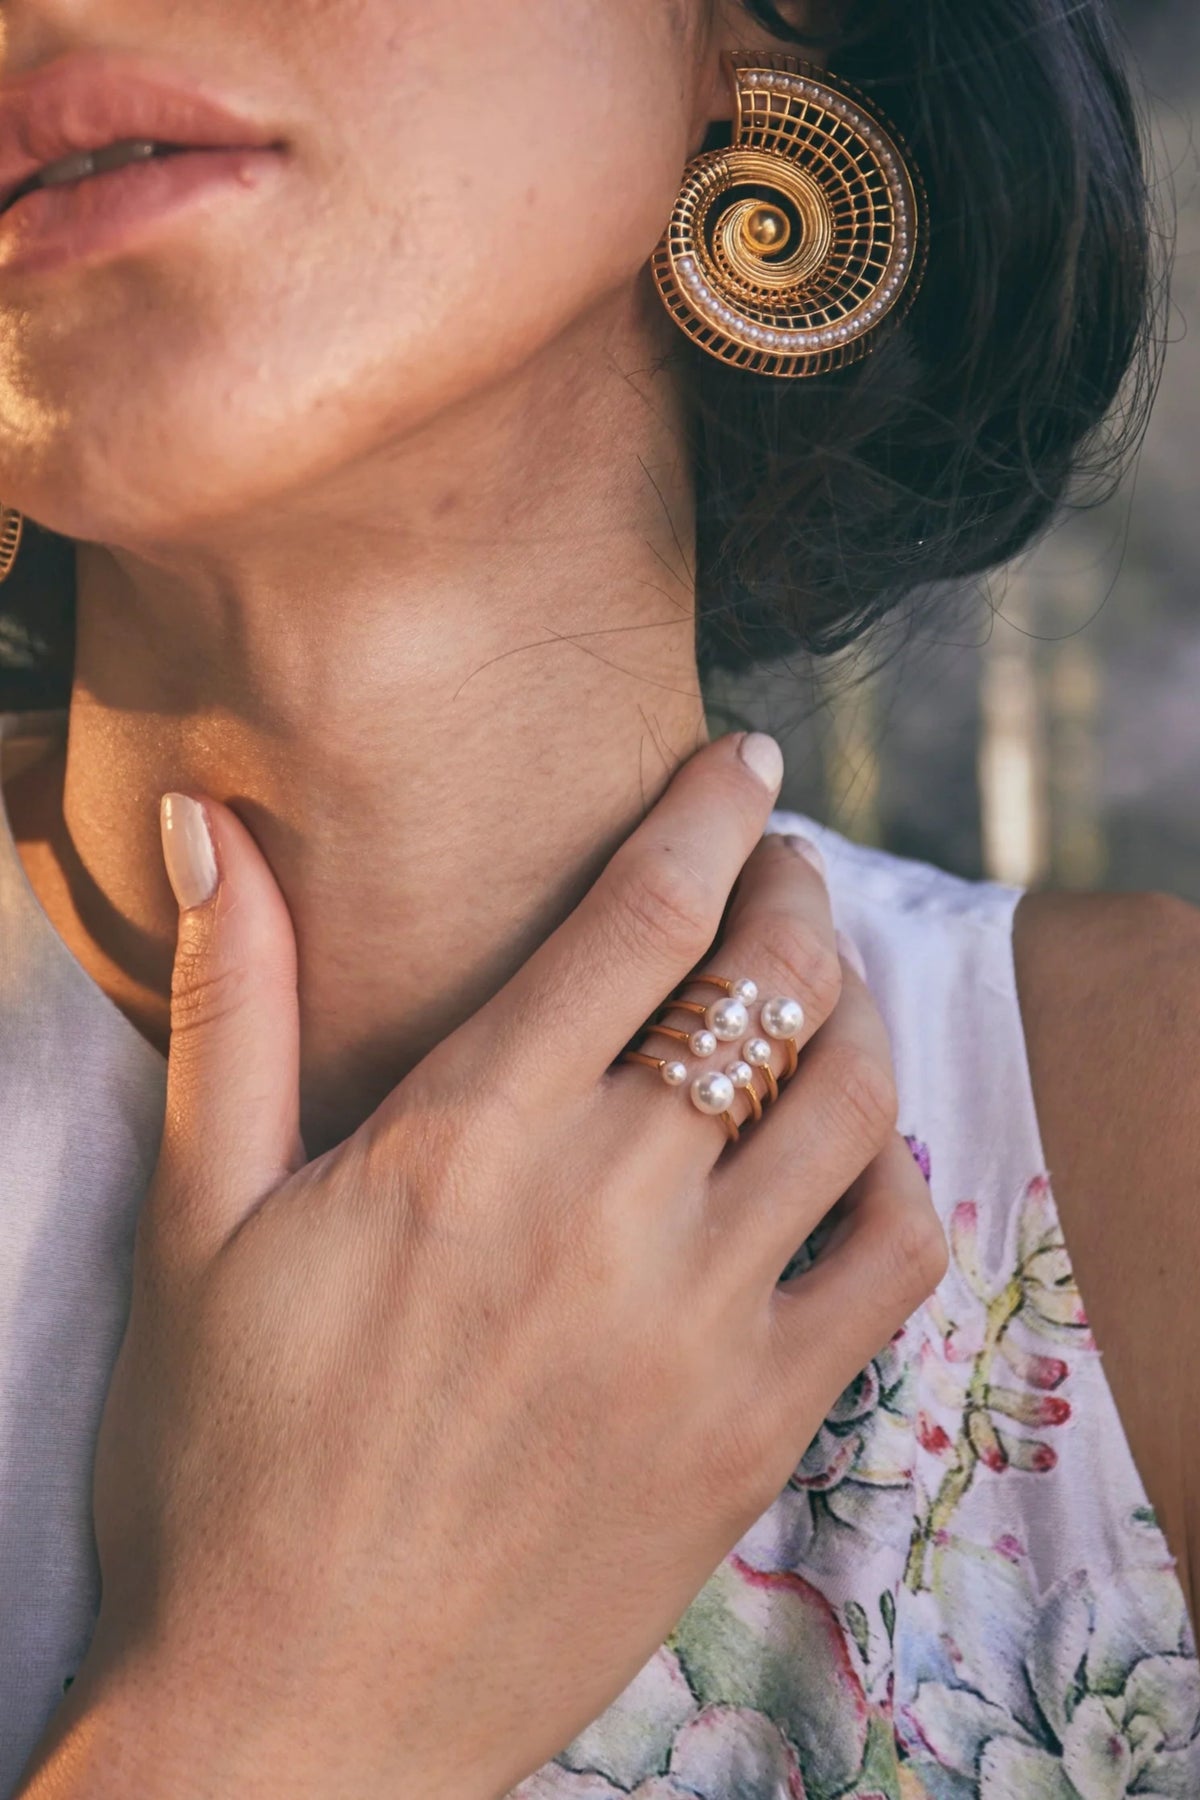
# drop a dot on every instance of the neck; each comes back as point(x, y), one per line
point(439, 694)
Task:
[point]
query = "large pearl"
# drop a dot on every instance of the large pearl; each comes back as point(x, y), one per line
point(782, 1017)
point(674, 1073)
point(703, 1043)
point(756, 1050)
point(728, 1019)
point(712, 1092)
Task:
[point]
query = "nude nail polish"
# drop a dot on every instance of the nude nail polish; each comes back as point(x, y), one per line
point(187, 850)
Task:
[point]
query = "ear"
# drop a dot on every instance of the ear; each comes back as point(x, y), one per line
point(735, 27)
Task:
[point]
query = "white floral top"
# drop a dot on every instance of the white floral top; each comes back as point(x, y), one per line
point(962, 1593)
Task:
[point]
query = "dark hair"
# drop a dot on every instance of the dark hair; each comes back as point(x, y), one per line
point(824, 503)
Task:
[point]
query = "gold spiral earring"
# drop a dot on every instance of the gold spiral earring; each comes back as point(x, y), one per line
point(12, 524)
point(788, 251)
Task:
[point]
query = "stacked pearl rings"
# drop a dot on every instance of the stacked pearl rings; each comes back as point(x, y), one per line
point(725, 1021)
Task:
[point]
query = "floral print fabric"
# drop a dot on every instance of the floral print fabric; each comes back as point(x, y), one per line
point(892, 1628)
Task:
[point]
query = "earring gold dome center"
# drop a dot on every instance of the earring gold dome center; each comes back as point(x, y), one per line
point(766, 227)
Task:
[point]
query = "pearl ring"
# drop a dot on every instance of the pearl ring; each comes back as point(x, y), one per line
point(726, 1021)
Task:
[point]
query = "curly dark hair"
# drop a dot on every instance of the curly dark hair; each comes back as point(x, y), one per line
point(825, 503)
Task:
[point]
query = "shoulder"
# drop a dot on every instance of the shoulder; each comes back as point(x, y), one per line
point(1109, 992)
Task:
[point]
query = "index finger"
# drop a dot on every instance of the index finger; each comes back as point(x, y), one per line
point(646, 922)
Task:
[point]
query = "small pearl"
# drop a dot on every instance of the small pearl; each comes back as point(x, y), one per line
point(746, 991)
point(728, 1019)
point(740, 1073)
point(712, 1092)
point(756, 1050)
point(782, 1017)
point(703, 1043)
point(674, 1073)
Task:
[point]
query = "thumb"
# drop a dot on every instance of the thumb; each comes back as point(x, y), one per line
point(231, 1132)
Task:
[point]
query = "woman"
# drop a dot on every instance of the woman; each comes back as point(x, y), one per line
point(335, 341)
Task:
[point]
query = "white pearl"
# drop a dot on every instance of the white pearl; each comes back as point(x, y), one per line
point(746, 991)
point(782, 1017)
point(756, 1050)
point(712, 1092)
point(703, 1043)
point(740, 1073)
point(674, 1073)
point(728, 1018)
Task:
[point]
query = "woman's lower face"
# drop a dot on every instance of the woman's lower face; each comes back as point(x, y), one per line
point(450, 189)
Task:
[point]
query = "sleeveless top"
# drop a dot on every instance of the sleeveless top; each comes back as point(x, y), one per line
point(960, 1594)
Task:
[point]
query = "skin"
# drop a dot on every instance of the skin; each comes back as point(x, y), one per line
point(381, 579)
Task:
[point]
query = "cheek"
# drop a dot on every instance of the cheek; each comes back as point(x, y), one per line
point(495, 206)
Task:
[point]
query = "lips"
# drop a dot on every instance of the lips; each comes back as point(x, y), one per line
point(100, 106)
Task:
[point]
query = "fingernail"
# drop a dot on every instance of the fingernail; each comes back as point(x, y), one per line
point(187, 850)
point(811, 852)
point(853, 955)
point(763, 755)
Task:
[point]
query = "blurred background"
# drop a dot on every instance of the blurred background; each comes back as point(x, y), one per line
point(1046, 729)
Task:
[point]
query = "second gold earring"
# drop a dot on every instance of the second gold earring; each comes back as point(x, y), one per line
point(12, 524)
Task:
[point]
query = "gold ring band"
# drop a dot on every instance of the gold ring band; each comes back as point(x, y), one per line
point(780, 1017)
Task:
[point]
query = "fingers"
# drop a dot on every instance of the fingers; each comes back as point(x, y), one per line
point(835, 1116)
point(884, 1256)
point(648, 919)
point(231, 1131)
point(779, 932)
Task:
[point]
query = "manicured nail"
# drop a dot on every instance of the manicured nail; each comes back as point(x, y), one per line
point(811, 852)
point(763, 755)
point(848, 949)
point(187, 850)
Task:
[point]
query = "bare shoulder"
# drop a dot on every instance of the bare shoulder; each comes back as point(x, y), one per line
point(1109, 987)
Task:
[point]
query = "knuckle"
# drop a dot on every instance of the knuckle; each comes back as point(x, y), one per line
point(917, 1253)
point(864, 1093)
point(203, 993)
point(665, 907)
point(804, 958)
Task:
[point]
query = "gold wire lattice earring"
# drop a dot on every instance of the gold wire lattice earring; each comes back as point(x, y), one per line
point(787, 251)
point(12, 524)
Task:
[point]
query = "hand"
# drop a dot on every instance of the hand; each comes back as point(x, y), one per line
point(524, 1322)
